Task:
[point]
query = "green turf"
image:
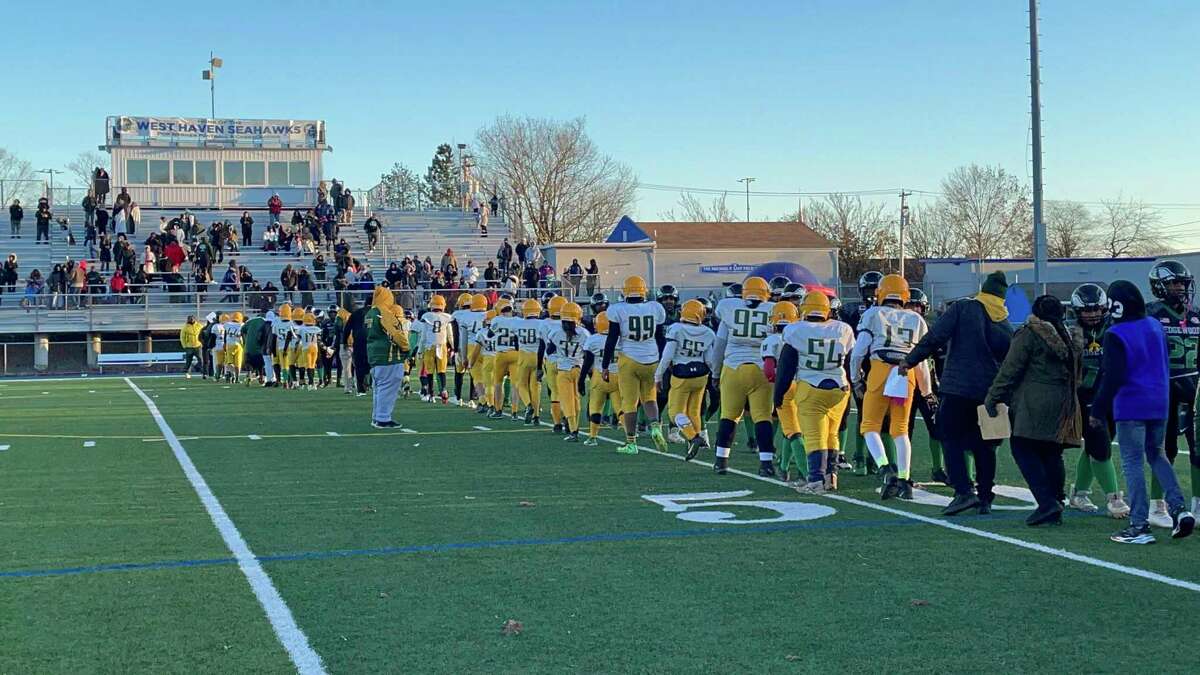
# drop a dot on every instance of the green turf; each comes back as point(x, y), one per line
point(485, 514)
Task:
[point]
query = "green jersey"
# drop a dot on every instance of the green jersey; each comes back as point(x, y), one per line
point(252, 336)
point(1090, 343)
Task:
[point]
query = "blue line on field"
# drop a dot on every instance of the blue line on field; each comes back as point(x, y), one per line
point(459, 546)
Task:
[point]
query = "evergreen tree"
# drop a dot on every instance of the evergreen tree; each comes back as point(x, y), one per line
point(441, 180)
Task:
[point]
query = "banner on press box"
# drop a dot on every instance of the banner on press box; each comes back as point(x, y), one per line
point(224, 129)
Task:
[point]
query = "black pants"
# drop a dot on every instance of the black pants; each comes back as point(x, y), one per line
point(1041, 463)
point(361, 368)
point(958, 429)
point(928, 413)
point(1182, 395)
point(43, 232)
point(1097, 443)
point(247, 235)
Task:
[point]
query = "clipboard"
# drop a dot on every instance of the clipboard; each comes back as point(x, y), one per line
point(995, 428)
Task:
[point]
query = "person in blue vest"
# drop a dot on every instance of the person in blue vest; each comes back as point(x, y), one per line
point(1133, 391)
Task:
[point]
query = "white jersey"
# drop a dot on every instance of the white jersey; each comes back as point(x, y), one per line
point(821, 349)
point(771, 347)
point(638, 323)
point(893, 331)
point(308, 336)
point(595, 345)
point(469, 324)
point(568, 350)
point(504, 329)
point(742, 332)
point(435, 332)
point(282, 330)
point(487, 343)
point(233, 334)
point(218, 332)
point(528, 333)
point(687, 343)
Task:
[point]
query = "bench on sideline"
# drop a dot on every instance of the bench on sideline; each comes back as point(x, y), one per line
point(138, 359)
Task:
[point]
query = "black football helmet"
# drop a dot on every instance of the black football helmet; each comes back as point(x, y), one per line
point(1166, 272)
point(867, 284)
point(1088, 296)
point(794, 292)
point(599, 303)
point(733, 291)
point(835, 306)
point(668, 291)
point(777, 284)
point(546, 295)
point(917, 296)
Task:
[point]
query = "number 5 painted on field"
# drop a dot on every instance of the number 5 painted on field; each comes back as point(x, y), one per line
point(681, 504)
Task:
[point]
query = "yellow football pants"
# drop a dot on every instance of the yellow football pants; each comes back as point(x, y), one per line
point(603, 392)
point(567, 384)
point(684, 401)
point(789, 422)
point(527, 382)
point(876, 405)
point(746, 385)
point(820, 412)
point(636, 382)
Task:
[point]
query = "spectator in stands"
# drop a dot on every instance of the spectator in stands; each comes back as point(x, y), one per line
point(448, 260)
point(58, 285)
point(77, 279)
point(89, 238)
point(95, 285)
point(135, 217)
point(106, 252)
point(173, 252)
point(318, 265)
point(11, 272)
point(347, 207)
point(122, 200)
point(372, 226)
point(326, 217)
point(34, 287)
point(89, 208)
point(505, 254)
point(118, 221)
point(287, 281)
point(100, 185)
point(574, 275)
point(546, 271)
point(15, 215)
point(530, 276)
point(275, 207)
point(230, 283)
point(593, 276)
point(269, 295)
point(341, 253)
point(248, 227)
point(495, 205)
point(306, 287)
point(118, 285)
point(522, 247)
point(102, 221)
point(491, 275)
point(335, 194)
point(470, 275)
point(271, 239)
point(42, 219)
point(393, 274)
point(511, 284)
point(200, 280)
point(438, 281)
point(148, 260)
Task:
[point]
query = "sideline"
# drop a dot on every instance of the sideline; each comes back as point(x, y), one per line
point(284, 624)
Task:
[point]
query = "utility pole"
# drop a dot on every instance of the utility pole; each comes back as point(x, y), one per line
point(903, 224)
point(1035, 103)
point(50, 194)
point(211, 75)
point(747, 180)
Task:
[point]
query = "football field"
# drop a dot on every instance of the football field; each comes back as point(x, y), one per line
point(178, 526)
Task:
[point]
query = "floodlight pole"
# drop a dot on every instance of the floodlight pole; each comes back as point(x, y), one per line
point(747, 181)
point(1035, 102)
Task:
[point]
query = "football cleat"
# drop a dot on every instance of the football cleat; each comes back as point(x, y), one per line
point(694, 447)
point(443, 398)
point(591, 442)
point(529, 416)
point(425, 398)
point(906, 490)
point(187, 376)
point(558, 428)
point(628, 449)
point(1184, 523)
point(1081, 500)
point(673, 436)
point(641, 427)
point(387, 425)
point(766, 468)
point(811, 488)
point(453, 400)
point(495, 415)
point(721, 465)
point(572, 437)
point(1159, 517)
point(842, 462)
point(1117, 508)
point(962, 503)
point(1134, 535)
point(938, 475)
point(860, 467)
point(891, 482)
point(660, 441)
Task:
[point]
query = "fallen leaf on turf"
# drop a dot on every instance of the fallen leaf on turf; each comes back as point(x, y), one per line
point(525, 503)
point(370, 509)
point(512, 627)
point(919, 603)
point(383, 594)
point(792, 657)
point(468, 497)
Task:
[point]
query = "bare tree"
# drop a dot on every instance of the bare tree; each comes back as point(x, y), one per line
point(84, 164)
point(1070, 229)
point(1130, 228)
point(693, 211)
point(929, 234)
point(859, 229)
point(17, 178)
point(555, 176)
point(987, 210)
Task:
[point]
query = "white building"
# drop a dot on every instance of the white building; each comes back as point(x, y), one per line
point(178, 162)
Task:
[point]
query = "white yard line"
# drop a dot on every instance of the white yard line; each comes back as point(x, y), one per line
point(957, 527)
point(89, 444)
point(290, 636)
point(484, 428)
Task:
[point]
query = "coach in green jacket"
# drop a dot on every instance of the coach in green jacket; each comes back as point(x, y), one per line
point(387, 345)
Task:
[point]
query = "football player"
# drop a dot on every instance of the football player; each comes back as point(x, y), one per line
point(688, 357)
point(598, 303)
point(926, 402)
point(482, 357)
point(778, 284)
point(1175, 289)
point(554, 306)
point(462, 312)
point(470, 324)
point(633, 329)
point(233, 347)
point(437, 341)
point(563, 342)
point(296, 351)
point(850, 314)
point(282, 337)
point(308, 336)
point(503, 330)
point(218, 352)
point(1089, 304)
point(741, 379)
point(604, 390)
point(783, 314)
point(732, 299)
point(811, 365)
point(887, 333)
point(529, 381)
point(255, 335)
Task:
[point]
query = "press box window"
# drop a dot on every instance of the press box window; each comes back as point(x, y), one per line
point(298, 172)
point(160, 172)
point(206, 172)
point(184, 172)
point(255, 173)
point(278, 173)
point(234, 174)
point(135, 171)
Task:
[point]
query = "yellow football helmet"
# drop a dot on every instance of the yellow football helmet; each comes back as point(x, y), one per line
point(503, 304)
point(285, 312)
point(437, 303)
point(237, 316)
point(479, 303)
point(893, 287)
point(224, 318)
point(635, 287)
point(756, 288)
point(815, 304)
point(310, 319)
point(784, 313)
point(555, 305)
point(692, 312)
point(491, 314)
point(569, 310)
point(601, 323)
point(531, 309)
point(464, 301)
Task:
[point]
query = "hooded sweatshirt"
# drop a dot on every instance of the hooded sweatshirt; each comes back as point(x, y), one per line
point(1134, 378)
point(977, 333)
point(387, 330)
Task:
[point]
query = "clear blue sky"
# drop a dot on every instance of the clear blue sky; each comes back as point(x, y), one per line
point(803, 94)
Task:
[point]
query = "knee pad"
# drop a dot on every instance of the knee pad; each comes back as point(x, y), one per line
point(682, 421)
